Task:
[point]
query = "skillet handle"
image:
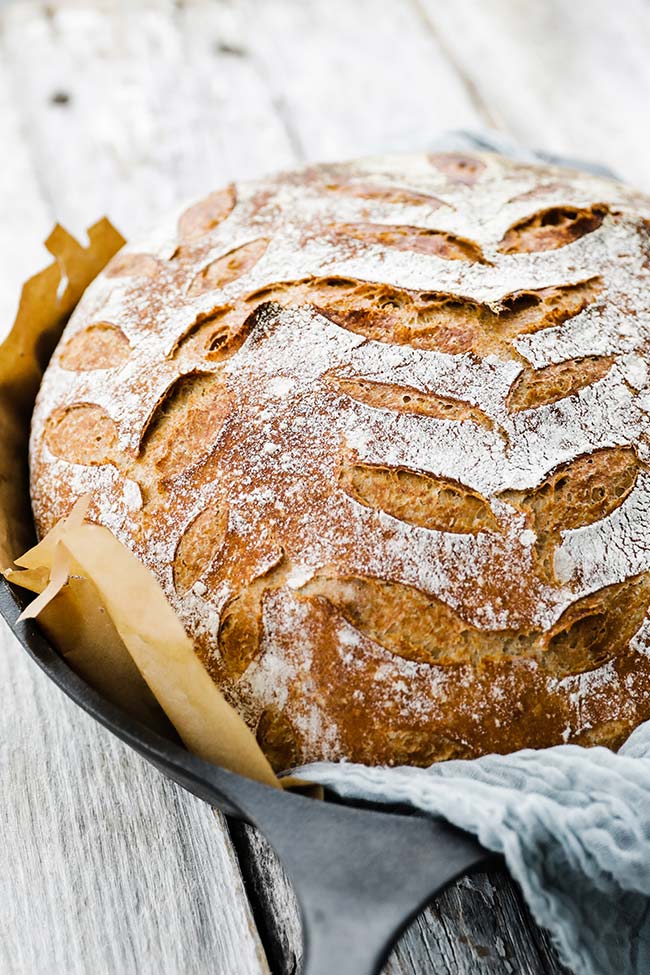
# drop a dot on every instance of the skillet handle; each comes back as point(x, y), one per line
point(361, 875)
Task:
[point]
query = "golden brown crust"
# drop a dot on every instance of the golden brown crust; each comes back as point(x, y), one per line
point(382, 430)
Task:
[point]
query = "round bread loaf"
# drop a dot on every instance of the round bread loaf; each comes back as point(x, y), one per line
point(380, 429)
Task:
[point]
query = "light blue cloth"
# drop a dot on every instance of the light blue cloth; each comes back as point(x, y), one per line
point(572, 823)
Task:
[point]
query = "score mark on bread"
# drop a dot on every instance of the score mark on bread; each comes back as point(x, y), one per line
point(228, 268)
point(405, 399)
point(184, 425)
point(199, 545)
point(100, 346)
point(577, 494)
point(536, 387)
point(81, 434)
point(436, 243)
point(203, 217)
point(552, 228)
point(385, 194)
point(420, 499)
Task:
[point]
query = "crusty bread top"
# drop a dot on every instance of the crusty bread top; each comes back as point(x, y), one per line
point(380, 429)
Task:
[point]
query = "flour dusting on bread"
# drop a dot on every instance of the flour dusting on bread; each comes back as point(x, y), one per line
point(381, 429)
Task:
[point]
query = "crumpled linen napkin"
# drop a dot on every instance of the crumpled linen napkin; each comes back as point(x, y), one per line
point(573, 825)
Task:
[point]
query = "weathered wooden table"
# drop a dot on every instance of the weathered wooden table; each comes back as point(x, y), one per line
point(125, 108)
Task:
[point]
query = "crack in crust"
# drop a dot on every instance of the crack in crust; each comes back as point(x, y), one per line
point(552, 228)
point(424, 320)
point(229, 267)
point(591, 632)
point(435, 243)
point(537, 387)
point(215, 335)
point(577, 494)
point(414, 626)
point(598, 628)
point(240, 625)
point(432, 502)
point(406, 399)
point(184, 426)
point(446, 322)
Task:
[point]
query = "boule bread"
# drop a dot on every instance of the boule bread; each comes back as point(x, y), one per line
point(380, 429)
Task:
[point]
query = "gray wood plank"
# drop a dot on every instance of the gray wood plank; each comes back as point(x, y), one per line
point(356, 78)
point(272, 897)
point(130, 108)
point(25, 211)
point(480, 925)
point(571, 78)
point(105, 867)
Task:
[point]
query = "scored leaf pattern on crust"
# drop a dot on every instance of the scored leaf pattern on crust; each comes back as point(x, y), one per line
point(424, 376)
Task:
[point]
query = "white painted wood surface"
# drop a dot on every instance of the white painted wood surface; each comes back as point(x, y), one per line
point(124, 107)
point(104, 865)
point(567, 76)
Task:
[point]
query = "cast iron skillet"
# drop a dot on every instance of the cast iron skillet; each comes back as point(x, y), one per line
point(359, 874)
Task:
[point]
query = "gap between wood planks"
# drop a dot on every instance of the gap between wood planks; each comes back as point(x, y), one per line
point(488, 115)
point(569, 78)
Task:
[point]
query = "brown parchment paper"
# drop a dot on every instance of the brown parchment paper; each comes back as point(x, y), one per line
point(102, 609)
point(46, 302)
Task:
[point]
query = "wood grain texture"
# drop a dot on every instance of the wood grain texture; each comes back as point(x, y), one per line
point(26, 217)
point(355, 78)
point(131, 107)
point(126, 108)
point(570, 78)
point(105, 866)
